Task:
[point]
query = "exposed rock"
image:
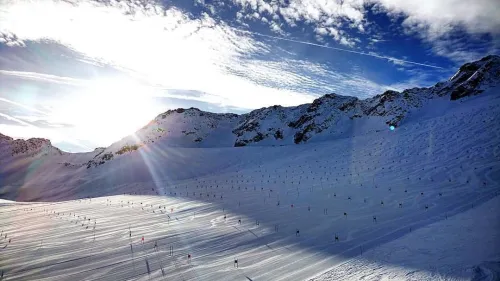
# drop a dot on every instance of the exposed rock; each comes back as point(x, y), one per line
point(278, 135)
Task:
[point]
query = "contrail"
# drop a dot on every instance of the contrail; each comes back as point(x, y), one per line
point(340, 49)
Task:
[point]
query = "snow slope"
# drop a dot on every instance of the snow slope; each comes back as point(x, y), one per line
point(446, 250)
point(444, 161)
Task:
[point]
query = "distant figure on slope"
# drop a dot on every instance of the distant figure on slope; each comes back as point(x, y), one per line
point(236, 263)
point(297, 233)
point(239, 221)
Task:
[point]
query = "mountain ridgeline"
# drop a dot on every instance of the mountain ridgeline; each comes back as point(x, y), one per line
point(329, 117)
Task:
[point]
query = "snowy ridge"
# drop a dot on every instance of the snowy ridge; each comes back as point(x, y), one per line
point(329, 117)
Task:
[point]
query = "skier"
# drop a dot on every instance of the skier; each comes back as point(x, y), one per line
point(297, 233)
point(236, 263)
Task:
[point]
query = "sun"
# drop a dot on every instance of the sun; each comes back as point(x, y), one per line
point(108, 110)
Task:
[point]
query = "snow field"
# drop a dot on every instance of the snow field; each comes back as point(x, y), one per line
point(441, 169)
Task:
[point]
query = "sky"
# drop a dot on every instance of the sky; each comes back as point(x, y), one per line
point(85, 74)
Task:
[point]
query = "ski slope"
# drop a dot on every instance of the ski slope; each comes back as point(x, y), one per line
point(445, 250)
point(423, 182)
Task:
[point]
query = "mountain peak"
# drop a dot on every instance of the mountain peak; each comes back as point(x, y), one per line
point(29, 146)
point(473, 78)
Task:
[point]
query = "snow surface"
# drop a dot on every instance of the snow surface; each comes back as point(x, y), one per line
point(446, 250)
point(443, 163)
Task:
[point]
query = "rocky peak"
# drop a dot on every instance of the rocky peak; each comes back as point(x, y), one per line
point(29, 146)
point(332, 100)
point(473, 78)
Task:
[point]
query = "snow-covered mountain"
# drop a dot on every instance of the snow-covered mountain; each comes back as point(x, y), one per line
point(329, 117)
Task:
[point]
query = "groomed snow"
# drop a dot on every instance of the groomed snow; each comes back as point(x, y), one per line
point(446, 250)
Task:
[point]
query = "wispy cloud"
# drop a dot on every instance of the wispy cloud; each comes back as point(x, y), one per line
point(11, 118)
point(29, 108)
point(44, 77)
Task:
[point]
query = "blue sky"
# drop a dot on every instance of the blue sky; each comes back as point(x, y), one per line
point(87, 73)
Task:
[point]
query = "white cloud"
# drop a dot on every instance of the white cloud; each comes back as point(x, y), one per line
point(430, 20)
point(321, 31)
point(435, 22)
point(346, 42)
point(322, 14)
point(439, 17)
